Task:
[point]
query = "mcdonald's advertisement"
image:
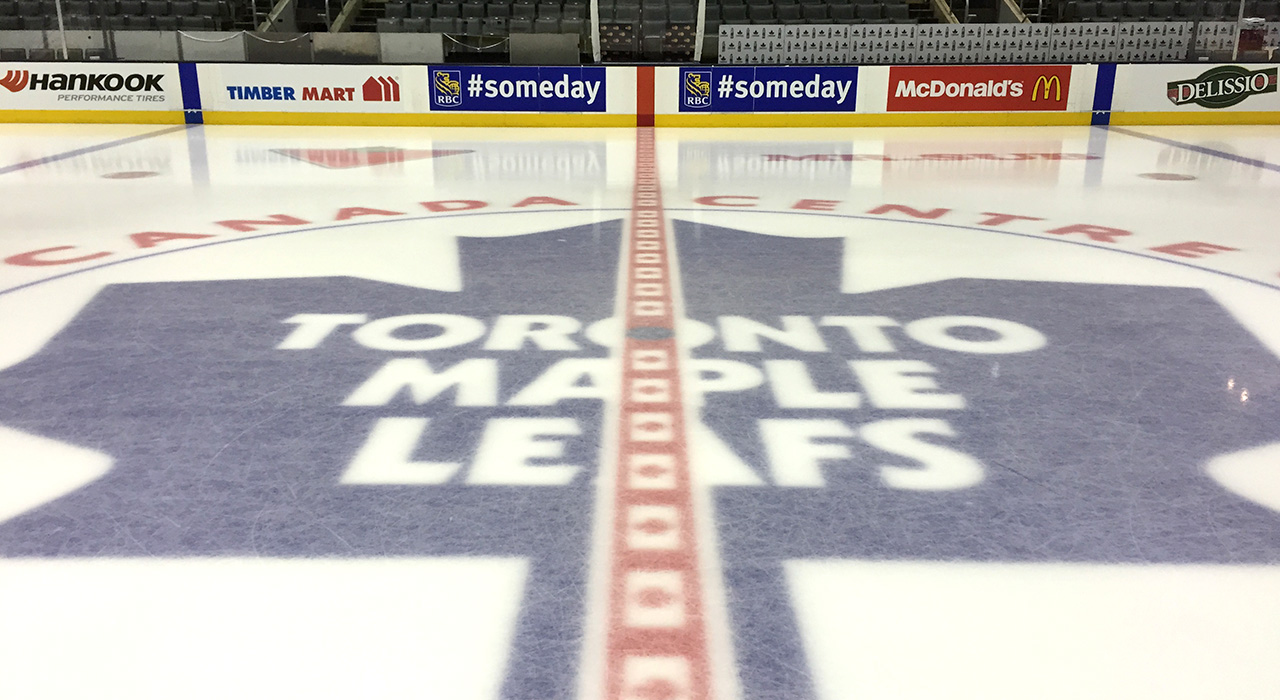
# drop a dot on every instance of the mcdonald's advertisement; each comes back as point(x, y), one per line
point(979, 88)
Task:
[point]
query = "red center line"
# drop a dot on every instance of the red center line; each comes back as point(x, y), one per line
point(657, 639)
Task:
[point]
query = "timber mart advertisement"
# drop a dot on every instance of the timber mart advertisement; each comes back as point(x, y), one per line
point(129, 86)
point(979, 88)
point(259, 88)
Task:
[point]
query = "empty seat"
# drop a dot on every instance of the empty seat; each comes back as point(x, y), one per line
point(443, 25)
point(388, 25)
point(396, 10)
point(165, 23)
point(1269, 10)
point(787, 13)
point(759, 13)
point(631, 14)
point(207, 8)
point(130, 7)
point(8, 22)
point(571, 13)
point(846, 14)
point(683, 15)
point(870, 11)
point(182, 8)
point(1137, 9)
point(472, 10)
point(155, 7)
point(37, 22)
point(420, 10)
point(897, 11)
point(520, 11)
point(520, 26)
point(415, 25)
point(1214, 9)
point(138, 22)
point(546, 25)
point(814, 13)
point(1111, 9)
point(498, 10)
point(572, 26)
point(1163, 9)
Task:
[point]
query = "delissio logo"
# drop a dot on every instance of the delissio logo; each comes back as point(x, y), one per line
point(446, 88)
point(1224, 86)
point(697, 89)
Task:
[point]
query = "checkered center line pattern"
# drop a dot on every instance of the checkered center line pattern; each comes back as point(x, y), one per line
point(657, 640)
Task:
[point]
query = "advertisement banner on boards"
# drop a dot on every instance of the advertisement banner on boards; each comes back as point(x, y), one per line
point(1196, 88)
point(300, 88)
point(979, 88)
point(517, 89)
point(769, 89)
point(97, 86)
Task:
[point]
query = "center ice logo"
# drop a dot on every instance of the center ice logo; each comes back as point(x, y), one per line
point(446, 88)
point(697, 89)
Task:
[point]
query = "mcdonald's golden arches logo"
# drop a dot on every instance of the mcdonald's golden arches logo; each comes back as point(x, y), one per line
point(1047, 82)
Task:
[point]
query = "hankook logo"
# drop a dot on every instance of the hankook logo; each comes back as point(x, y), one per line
point(15, 80)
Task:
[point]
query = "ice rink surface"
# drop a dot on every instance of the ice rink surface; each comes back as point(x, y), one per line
point(858, 414)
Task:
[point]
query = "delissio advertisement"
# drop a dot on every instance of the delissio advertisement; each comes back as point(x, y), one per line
point(1188, 88)
point(979, 88)
point(517, 89)
point(769, 89)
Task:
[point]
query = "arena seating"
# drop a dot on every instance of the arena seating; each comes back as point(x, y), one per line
point(118, 14)
point(486, 17)
point(1164, 10)
point(812, 12)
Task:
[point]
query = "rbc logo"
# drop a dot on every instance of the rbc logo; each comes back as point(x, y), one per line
point(446, 88)
point(697, 89)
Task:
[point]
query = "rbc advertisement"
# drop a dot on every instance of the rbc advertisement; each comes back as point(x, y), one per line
point(517, 89)
point(768, 89)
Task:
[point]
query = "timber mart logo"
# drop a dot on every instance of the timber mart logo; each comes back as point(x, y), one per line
point(15, 80)
point(697, 89)
point(1224, 86)
point(378, 89)
point(446, 88)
